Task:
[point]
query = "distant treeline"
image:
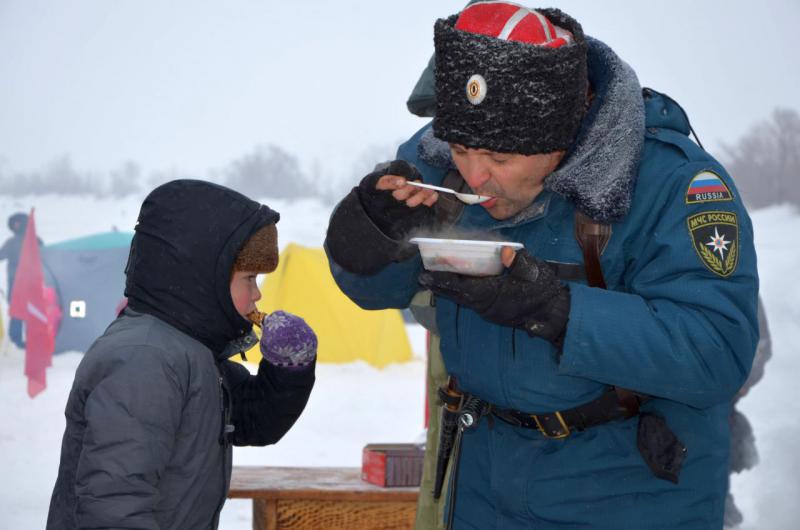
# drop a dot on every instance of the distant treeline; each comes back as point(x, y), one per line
point(765, 163)
point(265, 171)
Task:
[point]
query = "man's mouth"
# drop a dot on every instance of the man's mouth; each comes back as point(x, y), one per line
point(490, 203)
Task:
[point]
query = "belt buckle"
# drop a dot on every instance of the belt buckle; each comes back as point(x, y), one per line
point(555, 434)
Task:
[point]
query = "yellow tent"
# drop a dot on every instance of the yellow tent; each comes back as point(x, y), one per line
point(303, 285)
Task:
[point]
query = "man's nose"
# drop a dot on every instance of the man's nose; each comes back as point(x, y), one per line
point(475, 173)
point(256, 294)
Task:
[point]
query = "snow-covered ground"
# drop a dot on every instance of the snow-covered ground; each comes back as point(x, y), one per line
point(355, 404)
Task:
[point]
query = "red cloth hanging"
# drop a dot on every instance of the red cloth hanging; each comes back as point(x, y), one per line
point(29, 303)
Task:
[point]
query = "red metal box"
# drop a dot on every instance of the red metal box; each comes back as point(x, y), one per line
point(390, 465)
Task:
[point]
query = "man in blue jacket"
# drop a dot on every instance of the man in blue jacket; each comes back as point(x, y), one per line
point(598, 369)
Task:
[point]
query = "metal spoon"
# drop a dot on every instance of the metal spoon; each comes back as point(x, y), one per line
point(467, 198)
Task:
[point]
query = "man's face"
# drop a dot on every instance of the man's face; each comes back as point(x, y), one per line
point(513, 180)
point(245, 292)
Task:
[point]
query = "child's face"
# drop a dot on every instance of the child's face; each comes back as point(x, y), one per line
point(245, 292)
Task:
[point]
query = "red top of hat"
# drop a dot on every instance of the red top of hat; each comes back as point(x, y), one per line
point(507, 21)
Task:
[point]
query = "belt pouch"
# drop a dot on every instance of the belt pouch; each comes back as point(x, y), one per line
point(661, 450)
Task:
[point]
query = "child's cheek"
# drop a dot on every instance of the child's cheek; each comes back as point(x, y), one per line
point(240, 299)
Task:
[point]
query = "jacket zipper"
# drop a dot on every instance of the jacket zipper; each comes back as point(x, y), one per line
point(458, 332)
point(224, 443)
point(514, 343)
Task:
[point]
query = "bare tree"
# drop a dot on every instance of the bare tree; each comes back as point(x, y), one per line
point(334, 187)
point(765, 162)
point(267, 171)
point(125, 180)
point(157, 178)
point(58, 177)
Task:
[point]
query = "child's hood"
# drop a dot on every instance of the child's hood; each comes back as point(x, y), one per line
point(187, 237)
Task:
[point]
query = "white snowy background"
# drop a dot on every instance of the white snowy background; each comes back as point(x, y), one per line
point(354, 404)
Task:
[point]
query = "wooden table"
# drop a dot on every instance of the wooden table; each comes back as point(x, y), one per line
point(321, 498)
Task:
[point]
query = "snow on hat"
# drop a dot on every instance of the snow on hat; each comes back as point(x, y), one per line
point(509, 78)
point(260, 252)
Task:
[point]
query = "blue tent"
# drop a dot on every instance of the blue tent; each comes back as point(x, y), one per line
point(88, 275)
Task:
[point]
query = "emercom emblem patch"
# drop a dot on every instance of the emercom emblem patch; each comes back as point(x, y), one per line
point(715, 236)
point(707, 186)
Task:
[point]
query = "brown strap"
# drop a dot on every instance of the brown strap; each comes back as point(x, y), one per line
point(451, 397)
point(448, 207)
point(628, 399)
point(593, 238)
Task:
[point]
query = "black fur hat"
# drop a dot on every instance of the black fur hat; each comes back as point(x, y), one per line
point(260, 252)
point(506, 95)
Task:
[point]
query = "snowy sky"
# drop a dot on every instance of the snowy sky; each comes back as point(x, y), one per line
point(191, 84)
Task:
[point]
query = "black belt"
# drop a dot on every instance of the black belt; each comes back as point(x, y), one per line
point(560, 424)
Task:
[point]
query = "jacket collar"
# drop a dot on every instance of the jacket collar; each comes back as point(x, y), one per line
point(599, 172)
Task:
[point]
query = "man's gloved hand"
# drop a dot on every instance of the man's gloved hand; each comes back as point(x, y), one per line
point(286, 340)
point(527, 296)
point(394, 217)
point(369, 227)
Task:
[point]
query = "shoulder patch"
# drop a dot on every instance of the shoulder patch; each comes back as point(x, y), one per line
point(707, 186)
point(715, 236)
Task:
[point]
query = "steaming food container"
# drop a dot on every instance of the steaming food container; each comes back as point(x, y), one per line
point(464, 256)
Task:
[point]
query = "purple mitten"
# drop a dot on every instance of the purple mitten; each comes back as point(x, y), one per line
point(287, 340)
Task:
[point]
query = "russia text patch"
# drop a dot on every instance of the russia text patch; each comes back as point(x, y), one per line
point(707, 186)
point(715, 236)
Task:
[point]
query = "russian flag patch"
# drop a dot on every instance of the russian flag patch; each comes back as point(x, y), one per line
point(707, 186)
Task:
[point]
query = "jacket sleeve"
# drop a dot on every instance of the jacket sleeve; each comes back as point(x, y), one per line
point(675, 329)
point(392, 287)
point(265, 406)
point(396, 284)
point(131, 416)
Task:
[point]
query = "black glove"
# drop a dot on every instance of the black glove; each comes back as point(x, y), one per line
point(393, 217)
point(527, 296)
point(368, 228)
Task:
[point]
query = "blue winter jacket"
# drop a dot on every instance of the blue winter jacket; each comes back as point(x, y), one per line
point(677, 322)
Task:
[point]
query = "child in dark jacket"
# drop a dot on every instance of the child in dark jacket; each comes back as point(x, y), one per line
point(157, 402)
